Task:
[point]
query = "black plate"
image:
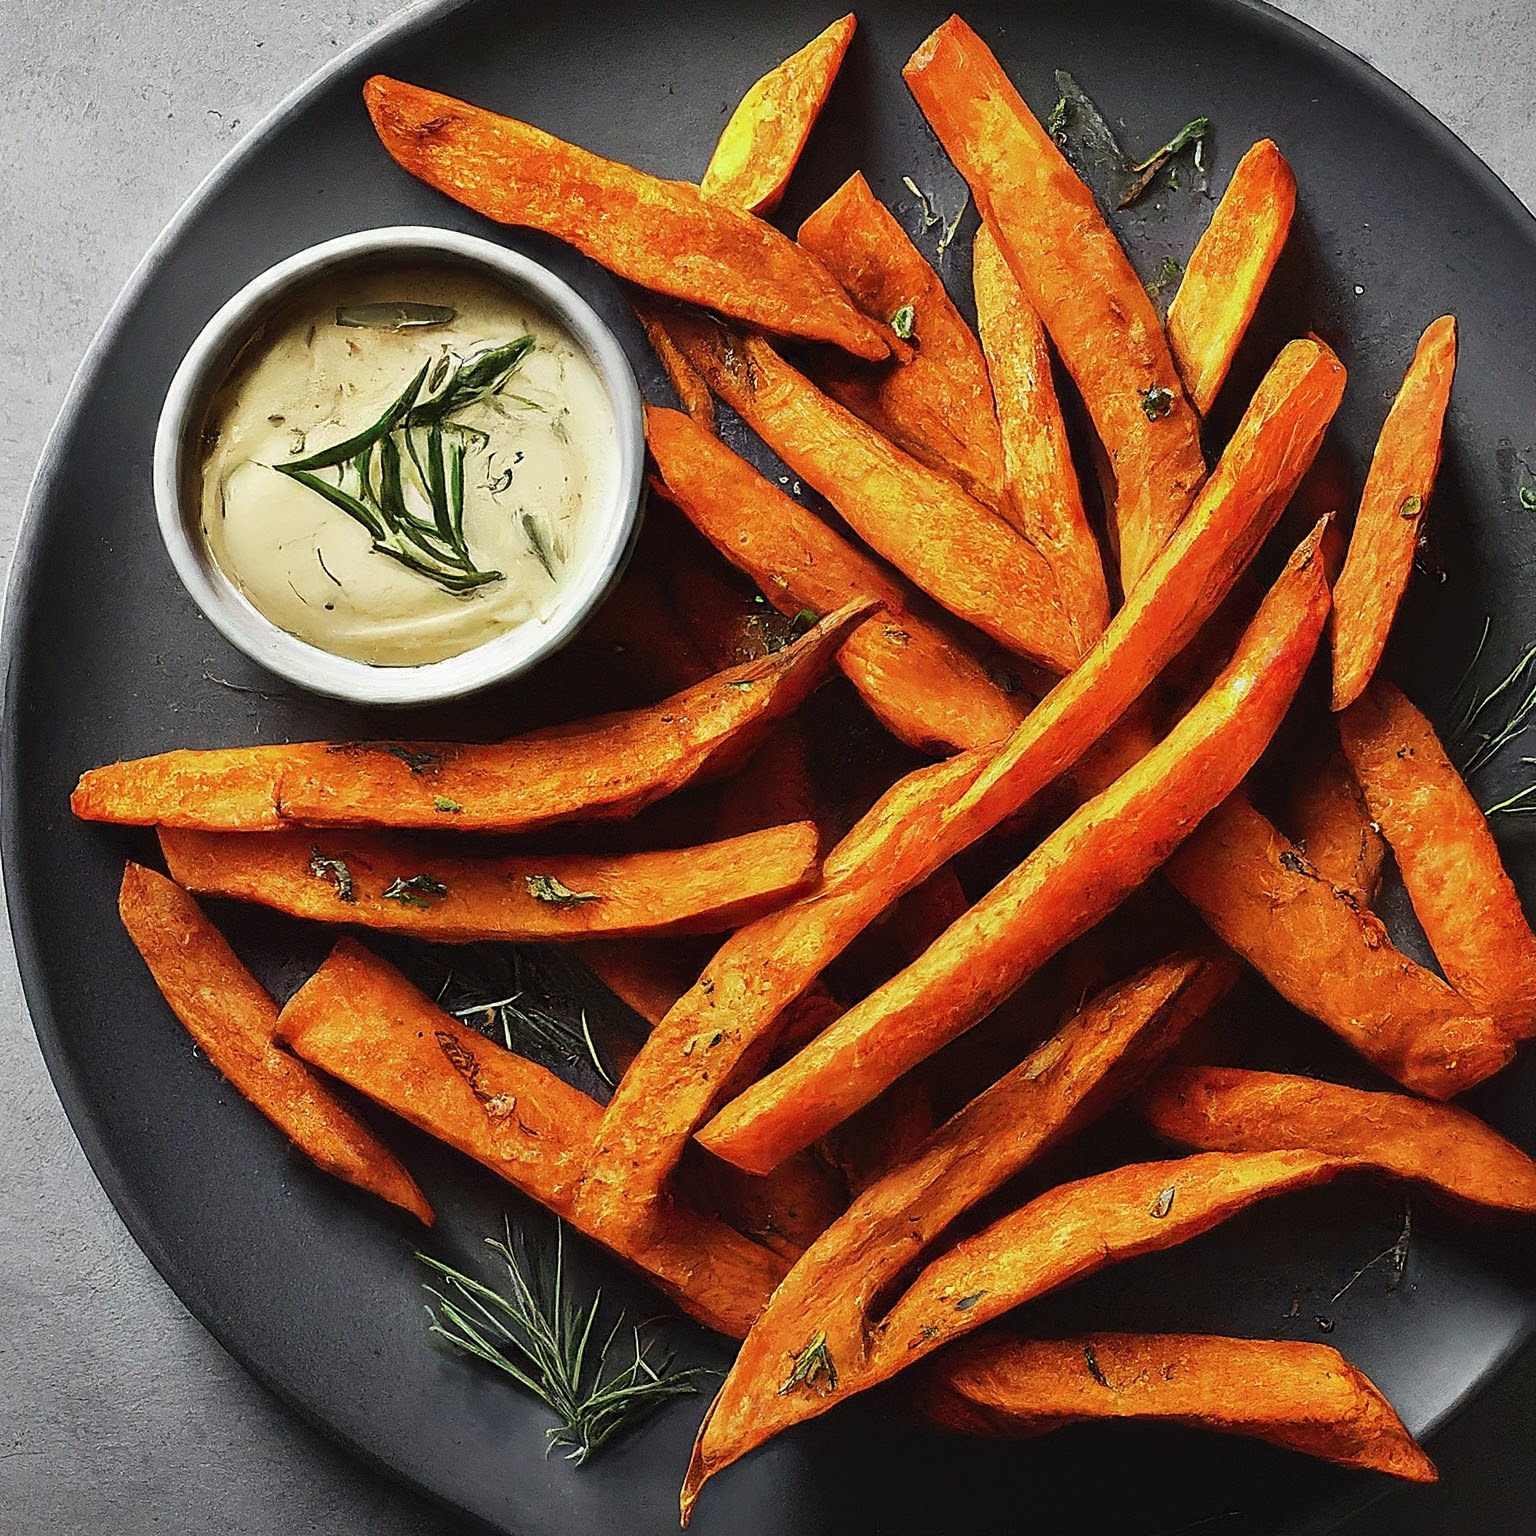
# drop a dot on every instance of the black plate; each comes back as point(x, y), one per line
point(314, 1290)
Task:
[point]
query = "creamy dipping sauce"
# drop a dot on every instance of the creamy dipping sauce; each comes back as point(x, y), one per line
point(482, 493)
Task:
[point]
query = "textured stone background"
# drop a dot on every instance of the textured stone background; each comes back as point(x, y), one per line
point(117, 1412)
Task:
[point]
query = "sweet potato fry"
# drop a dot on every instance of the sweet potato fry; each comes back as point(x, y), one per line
point(1078, 874)
point(1078, 280)
point(1060, 1236)
point(937, 406)
point(844, 1277)
point(233, 1021)
point(612, 766)
point(1259, 470)
point(1330, 957)
point(1391, 515)
point(958, 551)
point(761, 143)
point(1331, 825)
point(666, 236)
point(1304, 1397)
point(1461, 892)
point(1230, 265)
point(398, 885)
point(914, 671)
point(918, 827)
point(692, 392)
point(735, 1009)
point(1042, 497)
point(360, 1021)
point(646, 975)
point(1227, 1109)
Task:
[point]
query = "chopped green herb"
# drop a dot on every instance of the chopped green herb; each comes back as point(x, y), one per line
point(334, 870)
point(1091, 1360)
point(1168, 275)
point(903, 321)
point(1156, 402)
point(743, 684)
point(417, 891)
point(1192, 133)
point(540, 1338)
point(418, 762)
point(540, 543)
point(1411, 507)
point(1056, 122)
point(447, 806)
point(1528, 497)
point(813, 1366)
point(556, 892)
point(400, 316)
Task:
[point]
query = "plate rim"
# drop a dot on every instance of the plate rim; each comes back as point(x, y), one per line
point(416, 15)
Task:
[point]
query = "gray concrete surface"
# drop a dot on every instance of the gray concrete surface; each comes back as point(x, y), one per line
point(117, 1412)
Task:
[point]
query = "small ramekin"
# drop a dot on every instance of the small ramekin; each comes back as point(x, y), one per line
point(178, 452)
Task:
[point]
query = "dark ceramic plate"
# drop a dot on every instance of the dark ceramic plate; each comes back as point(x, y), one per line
point(315, 1290)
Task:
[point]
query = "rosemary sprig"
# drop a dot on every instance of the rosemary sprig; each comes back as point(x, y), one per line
point(1489, 723)
point(413, 456)
point(547, 1343)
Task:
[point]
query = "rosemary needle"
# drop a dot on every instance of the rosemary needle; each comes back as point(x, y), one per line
point(546, 1342)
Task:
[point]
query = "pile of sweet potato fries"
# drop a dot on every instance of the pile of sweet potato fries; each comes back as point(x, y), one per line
point(790, 1152)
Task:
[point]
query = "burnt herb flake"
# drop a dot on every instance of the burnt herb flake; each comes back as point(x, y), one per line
point(551, 889)
point(334, 870)
point(813, 1367)
point(416, 891)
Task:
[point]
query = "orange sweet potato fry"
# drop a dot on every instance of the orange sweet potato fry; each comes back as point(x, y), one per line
point(958, 551)
point(366, 879)
point(1331, 825)
point(692, 392)
point(928, 817)
point(611, 766)
point(844, 1276)
point(1391, 515)
point(1071, 1231)
point(1461, 892)
point(1078, 874)
point(1043, 498)
point(666, 236)
point(1078, 280)
point(914, 670)
point(1304, 1397)
point(937, 406)
point(735, 1010)
point(233, 1021)
point(1330, 957)
point(761, 143)
point(1230, 265)
point(360, 1021)
point(1227, 1109)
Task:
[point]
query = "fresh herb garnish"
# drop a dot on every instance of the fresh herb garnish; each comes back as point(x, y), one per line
point(1168, 275)
point(556, 892)
point(540, 543)
point(417, 761)
point(1056, 122)
point(1528, 497)
point(903, 321)
point(1156, 402)
point(1192, 133)
point(417, 891)
point(402, 477)
point(1091, 1360)
point(334, 870)
point(448, 807)
point(403, 315)
point(813, 1367)
point(930, 218)
point(548, 1343)
point(1411, 507)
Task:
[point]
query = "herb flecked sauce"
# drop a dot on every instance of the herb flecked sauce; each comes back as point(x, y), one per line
point(538, 449)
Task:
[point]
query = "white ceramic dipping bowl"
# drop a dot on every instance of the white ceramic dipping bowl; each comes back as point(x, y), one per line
point(613, 523)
